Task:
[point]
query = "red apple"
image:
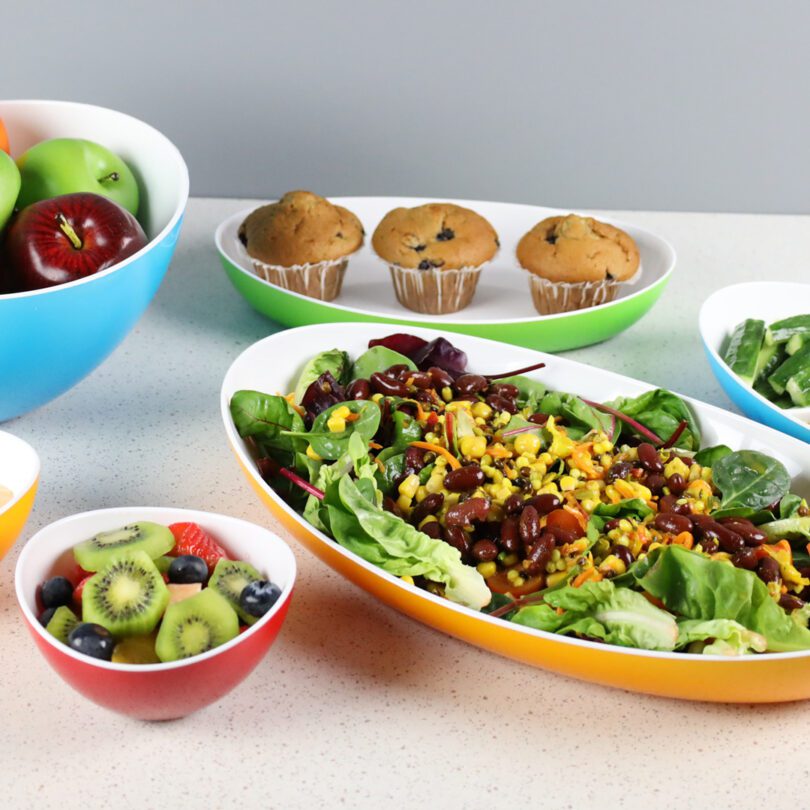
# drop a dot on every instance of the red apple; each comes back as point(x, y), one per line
point(66, 238)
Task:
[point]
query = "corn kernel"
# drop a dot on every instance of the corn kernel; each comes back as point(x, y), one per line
point(676, 465)
point(421, 494)
point(428, 519)
point(434, 484)
point(447, 393)
point(404, 503)
point(510, 559)
point(409, 486)
point(555, 578)
point(614, 564)
point(376, 397)
point(482, 410)
point(512, 574)
point(312, 454)
point(407, 579)
point(473, 446)
point(602, 447)
point(567, 483)
point(487, 569)
point(527, 444)
point(335, 423)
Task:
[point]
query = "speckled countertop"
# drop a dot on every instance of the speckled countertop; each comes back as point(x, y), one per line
point(356, 705)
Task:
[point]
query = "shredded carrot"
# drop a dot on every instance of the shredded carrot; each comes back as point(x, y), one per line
point(654, 600)
point(589, 574)
point(291, 402)
point(352, 417)
point(499, 452)
point(582, 459)
point(375, 446)
point(379, 464)
point(441, 451)
point(684, 539)
point(421, 414)
point(700, 486)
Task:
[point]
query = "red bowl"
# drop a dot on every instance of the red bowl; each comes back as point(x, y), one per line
point(155, 691)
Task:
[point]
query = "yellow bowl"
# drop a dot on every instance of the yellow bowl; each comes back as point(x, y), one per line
point(271, 365)
point(19, 472)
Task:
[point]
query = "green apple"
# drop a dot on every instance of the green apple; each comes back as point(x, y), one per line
point(9, 187)
point(69, 165)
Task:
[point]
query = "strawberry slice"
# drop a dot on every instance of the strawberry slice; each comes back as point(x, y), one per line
point(190, 538)
point(79, 589)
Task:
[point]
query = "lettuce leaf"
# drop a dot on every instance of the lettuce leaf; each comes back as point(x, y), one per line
point(718, 637)
point(696, 587)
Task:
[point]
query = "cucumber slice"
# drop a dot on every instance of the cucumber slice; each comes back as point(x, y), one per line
point(782, 331)
point(769, 359)
point(743, 349)
point(796, 343)
point(763, 387)
point(798, 386)
point(793, 365)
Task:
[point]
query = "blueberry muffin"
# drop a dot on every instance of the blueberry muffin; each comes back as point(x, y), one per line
point(302, 243)
point(435, 253)
point(575, 262)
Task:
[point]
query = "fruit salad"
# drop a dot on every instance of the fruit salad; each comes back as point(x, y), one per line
point(148, 594)
point(608, 521)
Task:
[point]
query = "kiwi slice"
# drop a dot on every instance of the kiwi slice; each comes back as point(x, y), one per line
point(128, 596)
point(136, 650)
point(61, 623)
point(163, 563)
point(230, 578)
point(151, 538)
point(196, 625)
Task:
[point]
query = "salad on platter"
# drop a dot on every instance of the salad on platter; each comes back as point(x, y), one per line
point(607, 521)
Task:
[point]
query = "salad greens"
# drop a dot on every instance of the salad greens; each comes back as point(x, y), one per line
point(750, 479)
point(335, 361)
point(662, 412)
point(377, 359)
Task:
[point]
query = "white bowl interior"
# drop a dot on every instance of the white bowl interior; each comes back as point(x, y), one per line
point(767, 300)
point(19, 467)
point(502, 294)
point(48, 553)
point(154, 159)
point(272, 365)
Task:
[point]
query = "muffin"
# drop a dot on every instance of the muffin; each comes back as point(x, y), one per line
point(435, 253)
point(575, 262)
point(302, 243)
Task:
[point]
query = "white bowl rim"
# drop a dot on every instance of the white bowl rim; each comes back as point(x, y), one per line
point(178, 212)
point(436, 320)
point(31, 480)
point(520, 630)
point(196, 515)
point(703, 316)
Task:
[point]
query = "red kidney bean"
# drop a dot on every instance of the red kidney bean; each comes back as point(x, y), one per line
point(623, 553)
point(458, 538)
point(612, 524)
point(539, 553)
point(538, 418)
point(546, 502)
point(428, 506)
point(505, 390)
point(359, 389)
point(561, 536)
point(471, 384)
point(745, 558)
point(383, 384)
point(514, 504)
point(421, 379)
point(499, 403)
point(669, 503)
point(655, 483)
point(729, 541)
point(621, 469)
point(529, 525)
point(510, 534)
point(432, 529)
point(709, 545)
point(399, 371)
point(649, 459)
point(747, 530)
point(464, 478)
point(425, 395)
point(484, 551)
point(790, 602)
point(414, 458)
point(677, 484)
point(464, 513)
point(768, 570)
point(672, 523)
point(390, 505)
point(440, 378)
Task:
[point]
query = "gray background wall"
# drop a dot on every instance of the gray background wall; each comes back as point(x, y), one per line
point(626, 104)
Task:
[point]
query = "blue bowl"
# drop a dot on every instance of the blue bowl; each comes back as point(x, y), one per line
point(52, 338)
point(721, 312)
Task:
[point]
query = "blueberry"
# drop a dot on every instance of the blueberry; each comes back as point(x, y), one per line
point(56, 591)
point(258, 597)
point(46, 616)
point(424, 265)
point(93, 640)
point(188, 568)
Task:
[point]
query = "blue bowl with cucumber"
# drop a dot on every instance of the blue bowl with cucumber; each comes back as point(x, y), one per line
point(757, 339)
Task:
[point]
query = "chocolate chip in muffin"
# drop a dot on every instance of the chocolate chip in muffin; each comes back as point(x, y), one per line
point(445, 235)
point(551, 238)
point(419, 248)
point(424, 265)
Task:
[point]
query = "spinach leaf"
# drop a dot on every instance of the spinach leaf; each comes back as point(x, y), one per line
point(661, 411)
point(266, 418)
point(331, 446)
point(789, 505)
point(751, 479)
point(710, 455)
point(335, 361)
point(633, 508)
point(406, 430)
point(695, 587)
point(793, 528)
point(530, 392)
point(580, 418)
point(756, 516)
point(378, 359)
point(393, 468)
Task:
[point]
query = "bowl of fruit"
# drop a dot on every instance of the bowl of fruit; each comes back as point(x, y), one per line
point(153, 612)
point(19, 476)
point(91, 203)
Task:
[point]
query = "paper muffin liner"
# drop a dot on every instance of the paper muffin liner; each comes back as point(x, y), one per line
point(434, 291)
point(553, 297)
